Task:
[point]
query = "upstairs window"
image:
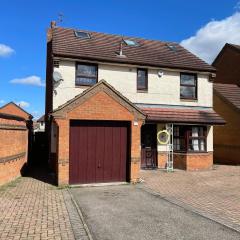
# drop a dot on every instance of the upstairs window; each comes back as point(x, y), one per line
point(142, 79)
point(86, 74)
point(188, 86)
point(190, 138)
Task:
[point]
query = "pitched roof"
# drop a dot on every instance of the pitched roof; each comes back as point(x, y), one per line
point(102, 85)
point(12, 108)
point(230, 93)
point(41, 119)
point(176, 115)
point(105, 47)
point(226, 46)
point(235, 46)
point(11, 116)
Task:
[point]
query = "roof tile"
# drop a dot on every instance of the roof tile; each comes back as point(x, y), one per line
point(176, 115)
point(104, 47)
point(231, 92)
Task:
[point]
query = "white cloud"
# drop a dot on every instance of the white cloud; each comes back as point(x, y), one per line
point(209, 40)
point(23, 104)
point(5, 50)
point(30, 80)
point(237, 6)
point(2, 101)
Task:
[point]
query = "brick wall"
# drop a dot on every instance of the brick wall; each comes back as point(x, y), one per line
point(194, 161)
point(100, 106)
point(13, 147)
point(226, 138)
point(227, 66)
point(12, 109)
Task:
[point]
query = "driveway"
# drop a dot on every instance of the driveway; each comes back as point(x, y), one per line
point(214, 193)
point(31, 208)
point(130, 212)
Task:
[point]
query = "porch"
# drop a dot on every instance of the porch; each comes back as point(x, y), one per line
point(191, 138)
point(192, 147)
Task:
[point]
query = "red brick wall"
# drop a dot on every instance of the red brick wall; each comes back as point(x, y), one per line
point(227, 66)
point(101, 106)
point(13, 148)
point(226, 138)
point(12, 109)
point(194, 161)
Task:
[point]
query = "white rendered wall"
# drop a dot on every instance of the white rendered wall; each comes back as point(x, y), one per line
point(165, 90)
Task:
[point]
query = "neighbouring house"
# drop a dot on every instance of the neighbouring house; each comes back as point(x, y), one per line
point(226, 102)
point(39, 125)
point(108, 96)
point(15, 129)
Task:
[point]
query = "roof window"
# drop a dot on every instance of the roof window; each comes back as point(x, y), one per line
point(82, 35)
point(131, 42)
point(172, 47)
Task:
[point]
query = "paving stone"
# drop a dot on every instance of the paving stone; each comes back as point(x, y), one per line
point(36, 209)
point(214, 193)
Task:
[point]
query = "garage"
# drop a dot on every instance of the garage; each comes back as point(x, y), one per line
point(99, 151)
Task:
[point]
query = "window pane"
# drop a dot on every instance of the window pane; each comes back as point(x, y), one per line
point(202, 145)
point(85, 81)
point(195, 135)
point(187, 92)
point(176, 131)
point(86, 70)
point(141, 79)
point(179, 144)
point(188, 79)
point(194, 144)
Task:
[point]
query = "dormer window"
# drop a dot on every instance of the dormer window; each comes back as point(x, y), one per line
point(86, 74)
point(83, 35)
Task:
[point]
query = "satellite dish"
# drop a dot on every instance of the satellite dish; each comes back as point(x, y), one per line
point(160, 73)
point(57, 77)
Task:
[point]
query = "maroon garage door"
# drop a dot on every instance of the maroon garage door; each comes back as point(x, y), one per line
point(98, 151)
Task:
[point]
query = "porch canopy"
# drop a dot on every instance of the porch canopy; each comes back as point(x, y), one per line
point(182, 115)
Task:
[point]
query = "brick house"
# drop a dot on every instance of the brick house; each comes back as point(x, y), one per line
point(226, 102)
point(15, 128)
point(108, 96)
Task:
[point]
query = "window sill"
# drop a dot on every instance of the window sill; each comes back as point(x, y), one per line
point(188, 153)
point(188, 99)
point(142, 91)
point(84, 86)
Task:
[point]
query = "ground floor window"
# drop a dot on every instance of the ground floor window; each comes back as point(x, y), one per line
point(190, 138)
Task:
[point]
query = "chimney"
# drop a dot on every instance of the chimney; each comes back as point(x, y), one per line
point(53, 24)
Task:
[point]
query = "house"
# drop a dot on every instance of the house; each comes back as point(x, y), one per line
point(108, 96)
point(40, 124)
point(226, 102)
point(15, 128)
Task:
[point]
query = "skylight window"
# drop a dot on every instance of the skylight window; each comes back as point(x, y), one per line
point(172, 47)
point(130, 42)
point(82, 35)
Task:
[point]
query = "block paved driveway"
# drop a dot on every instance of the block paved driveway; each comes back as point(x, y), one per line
point(34, 209)
point(215, 194)
point(129, 212)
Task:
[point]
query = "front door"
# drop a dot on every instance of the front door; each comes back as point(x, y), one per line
point(149, 146)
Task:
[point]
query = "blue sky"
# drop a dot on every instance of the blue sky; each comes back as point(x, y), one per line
point(202, 26)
